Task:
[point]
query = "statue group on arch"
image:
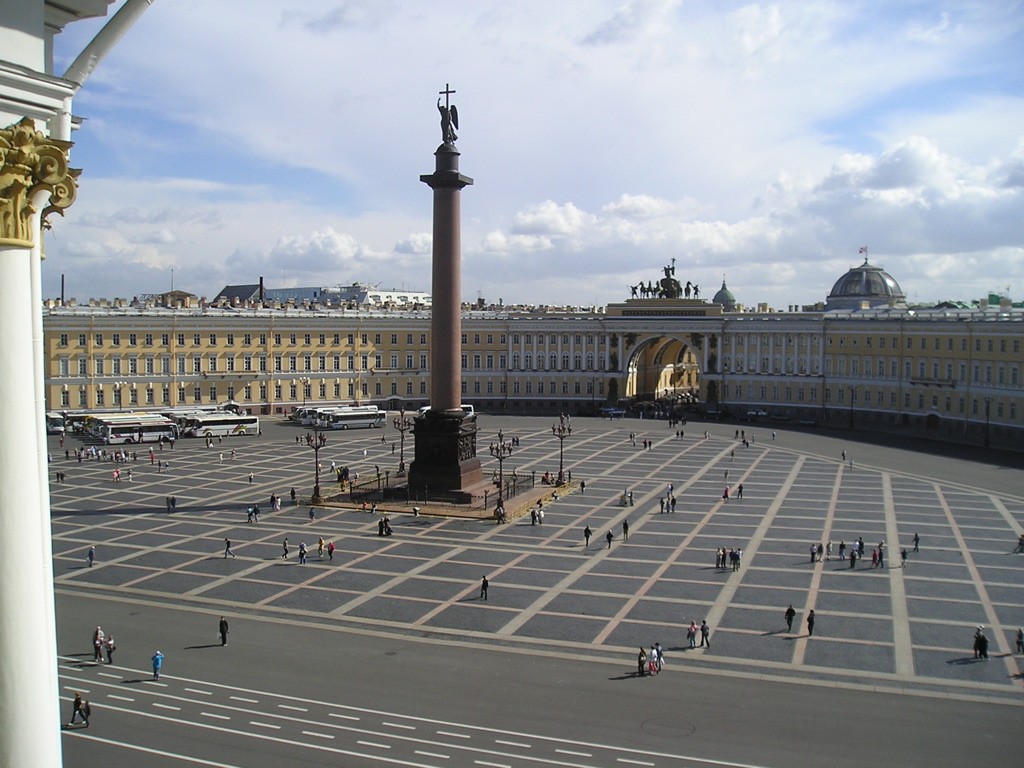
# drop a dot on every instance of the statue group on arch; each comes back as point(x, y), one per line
point(666, 288)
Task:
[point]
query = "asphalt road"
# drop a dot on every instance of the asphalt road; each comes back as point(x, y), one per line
point(283, 694)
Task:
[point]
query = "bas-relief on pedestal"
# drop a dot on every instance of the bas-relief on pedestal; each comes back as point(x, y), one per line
point(31, 163)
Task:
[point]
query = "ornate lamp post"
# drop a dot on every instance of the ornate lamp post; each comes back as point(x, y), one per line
point(501, 451)
point(561, 430)
point(319, 441)
point(118, 392)
point(403, 424)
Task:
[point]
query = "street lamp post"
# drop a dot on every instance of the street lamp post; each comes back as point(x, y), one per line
point(118, 389)
point(501, 451)
point(561, 430)
point(403, 424)
point(988, 411)
point(853, 395)
point(319, 441)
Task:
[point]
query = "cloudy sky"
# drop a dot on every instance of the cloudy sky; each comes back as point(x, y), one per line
point(763, 142)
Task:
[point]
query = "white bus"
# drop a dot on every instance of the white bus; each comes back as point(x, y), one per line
point(145, 428)
point(355, 417)
point(54, 423)
point(222, 423)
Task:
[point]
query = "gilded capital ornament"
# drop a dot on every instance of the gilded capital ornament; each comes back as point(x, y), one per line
point(31, 163)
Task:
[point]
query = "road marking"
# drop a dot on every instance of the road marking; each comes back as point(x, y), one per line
point(166, 706)
point(513, 744)
point(196, 690)
point(218, 717)
point(343, 717)
point(242, 698)
point(570, 752)
point(632, 762)
point(399, 725)
point(289, 706)
point(109, 674)
point(265, 725)
point(432, 754)
point(318, 735)
point(151, 751)
point(119, 698)
point(497, 765)
point(456, 735)
point(373, 744)
point(76, 690)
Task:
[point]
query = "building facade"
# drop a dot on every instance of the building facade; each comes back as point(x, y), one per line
point(955, 371)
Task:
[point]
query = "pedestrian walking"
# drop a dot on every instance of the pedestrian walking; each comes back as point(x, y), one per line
point(250, 478)
point(109, 647)
point(1020, 639)
point(641, 662)
point(810, 623)
point(227, 548)
point(302, 553)
point(587, 533)
point(608, 536)
point(725, 494)
point(705, 634)
point(294, 500)
point(284, 546)
point(625, 530)
point(320, 548)
point(660, 660)
point(484, 584)
point(652, 661)
point(158, 664)
point(790, 615)
point(980, 643)
point(691, 634)
point(583, 486)
point(312, 514)
point(76, 709)
point(222, 630)
point(903, 558)
point(739, 491)
point(330, 550)
point(90, 556)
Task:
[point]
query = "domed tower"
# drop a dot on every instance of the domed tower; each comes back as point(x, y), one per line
point(725, 298)
point(866, 287)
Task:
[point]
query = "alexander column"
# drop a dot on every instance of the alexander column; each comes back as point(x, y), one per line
point(445, 454)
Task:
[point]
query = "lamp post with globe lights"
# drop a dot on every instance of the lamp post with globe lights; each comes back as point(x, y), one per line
point(319, 441)
point(501, 451)
point(403, 424)
point(561, 430)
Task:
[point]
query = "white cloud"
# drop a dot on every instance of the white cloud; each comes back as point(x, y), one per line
point(768, 141)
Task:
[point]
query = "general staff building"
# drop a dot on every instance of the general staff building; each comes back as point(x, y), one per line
point(862, 357)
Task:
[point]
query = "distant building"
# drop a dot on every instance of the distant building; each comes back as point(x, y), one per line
point(876, 362)
point(359, 294)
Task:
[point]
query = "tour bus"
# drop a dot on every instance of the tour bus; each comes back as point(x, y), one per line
point(54, 423)
point(467, 409)
point(144, 428)
point(94, 425)
point(222, 423)
point(354, 417)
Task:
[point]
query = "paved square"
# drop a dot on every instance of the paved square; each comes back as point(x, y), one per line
point(907, 627)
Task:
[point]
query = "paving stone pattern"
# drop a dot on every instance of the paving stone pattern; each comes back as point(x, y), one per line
point(884, 626)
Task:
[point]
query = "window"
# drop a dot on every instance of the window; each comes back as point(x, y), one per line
point(98, 340)
point(133, 340)
point(81, 339)
point(63, 340)
point(181, 343)
point(263, 342)
point(99, 366)
point(196, 341)
point(212, 363)
point(292, 339)
point(307, 339)
point(231, 343)
point(247, 340)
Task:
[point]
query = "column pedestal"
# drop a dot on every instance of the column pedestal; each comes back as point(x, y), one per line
point(445, 455)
